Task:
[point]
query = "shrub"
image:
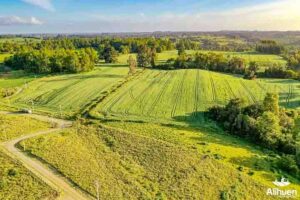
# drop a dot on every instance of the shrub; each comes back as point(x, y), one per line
point(12, 172)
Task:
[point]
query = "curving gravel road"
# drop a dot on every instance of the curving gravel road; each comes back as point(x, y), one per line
point(53, 179)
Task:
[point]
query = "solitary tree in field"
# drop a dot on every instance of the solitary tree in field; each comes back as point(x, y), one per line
point(144, 56)
point(132, 65)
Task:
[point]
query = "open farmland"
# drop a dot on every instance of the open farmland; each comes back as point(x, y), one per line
point(132, 166)
point(68, 94)
point(185, 94)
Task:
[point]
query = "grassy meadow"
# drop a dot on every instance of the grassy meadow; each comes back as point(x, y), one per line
point(138, 165)
point(210, 140)
point(183, 95)
point(68, 94)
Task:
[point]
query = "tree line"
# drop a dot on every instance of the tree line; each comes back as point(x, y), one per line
point(265, 124)
point(214, 62)
point(269, 47)
point(54, 61)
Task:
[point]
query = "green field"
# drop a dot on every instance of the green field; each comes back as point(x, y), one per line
point(16, 182)
point(15, 79)
point(183, 95)
point(68, 94)
point(263, 60)
point(134, 165)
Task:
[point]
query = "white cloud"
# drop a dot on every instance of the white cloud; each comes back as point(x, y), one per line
point(45, 4)
point(16, 20)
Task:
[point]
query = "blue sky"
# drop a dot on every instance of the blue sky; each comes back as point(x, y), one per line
point(69, 16)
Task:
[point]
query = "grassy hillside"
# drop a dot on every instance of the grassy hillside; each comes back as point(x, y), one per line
point(68, 93)
point(137, 166)
point(183, 95)
point(208, 139)
point(16, 182)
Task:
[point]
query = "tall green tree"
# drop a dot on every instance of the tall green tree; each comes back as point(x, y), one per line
point(144, 56)
point(269, 129)
point(110, 55)
point(271, 103)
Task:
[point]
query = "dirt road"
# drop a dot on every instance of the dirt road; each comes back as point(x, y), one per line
point(53, 179)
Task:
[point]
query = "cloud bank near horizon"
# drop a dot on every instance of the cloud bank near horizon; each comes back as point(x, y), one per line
point(16, 20)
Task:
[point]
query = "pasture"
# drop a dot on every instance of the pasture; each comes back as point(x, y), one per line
point(183, 95)
point(68, 94)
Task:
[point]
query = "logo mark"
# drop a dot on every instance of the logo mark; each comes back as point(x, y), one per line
point(283, 182)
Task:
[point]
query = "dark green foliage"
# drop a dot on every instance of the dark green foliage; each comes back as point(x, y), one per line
point(146, 56)
point(271, 103)
point(186, 44)
point(277, 71)
point(110, 54)
point(252, 70)
point(269, 47)
point(294, 60)
point(13, 172)
point(287, 163)
point(263, 124)
point(56, 61)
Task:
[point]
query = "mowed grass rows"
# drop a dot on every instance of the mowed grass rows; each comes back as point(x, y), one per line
point(68, 94)
point(186, 94)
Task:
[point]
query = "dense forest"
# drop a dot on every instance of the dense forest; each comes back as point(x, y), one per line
point(54, 61)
